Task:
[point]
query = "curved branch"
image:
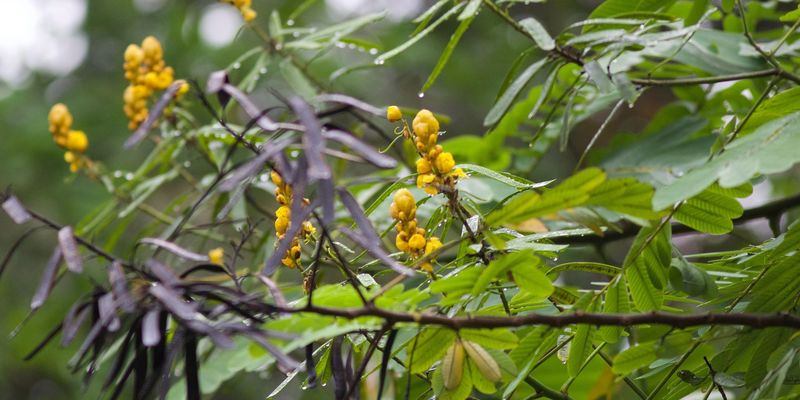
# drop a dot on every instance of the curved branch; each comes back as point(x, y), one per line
point(782, 319)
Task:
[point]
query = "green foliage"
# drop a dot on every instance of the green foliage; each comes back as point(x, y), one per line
point(329, 275)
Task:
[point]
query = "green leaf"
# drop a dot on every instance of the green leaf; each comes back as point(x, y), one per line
point(626, 196)
point(509, 179)
point(529, 345)
point(448, 51)
point(297, 80)
point(616, 302)
point(580, 346)
point(598, 75)
point(460, 282)
point(778, 288)
point(431, 344)
point(612, 8)
point(645, 267)
point(711, 211)
point(767, 342)
point(331, 34)
point(512, 91)
point(470, 10)
point(498, 338)
point(690, 279)
point(780, 105)
point(634, 358)
point(414, 39)
point(574, 191)
point(769, 149)
point(538, 33)
point(532, 280)
point(699, 7)
point(502, 264)
point(586, 266)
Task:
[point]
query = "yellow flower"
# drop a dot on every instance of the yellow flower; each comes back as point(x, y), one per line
point(216, 256)
point(445, 163)
point(393, 114)
point(432, 245)
point(417, 242)
point(77, 141)
point(69, 157)
point(423, 166)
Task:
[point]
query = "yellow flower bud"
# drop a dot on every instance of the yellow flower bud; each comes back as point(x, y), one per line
point(276, 178)
point(152, 49)
point(405, 202)
point(248, 14)
point(281, 225)
point(393, 113)
point(417, 242)
point(69, 157)
point(216, 256)
point(77, 141)
point(60, 119)
point(134, 54)
point(445, 162)
point(431, 124)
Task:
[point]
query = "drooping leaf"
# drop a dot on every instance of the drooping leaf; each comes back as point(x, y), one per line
point(538, 33)
point(505, 100)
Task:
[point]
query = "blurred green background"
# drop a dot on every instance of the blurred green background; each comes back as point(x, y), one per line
point(70, 51)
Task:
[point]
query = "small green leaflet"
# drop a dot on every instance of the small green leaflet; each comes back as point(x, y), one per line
point(770, 149)
point(501, 264)
point(711, 211)
point(581, 345)
point(616, 302)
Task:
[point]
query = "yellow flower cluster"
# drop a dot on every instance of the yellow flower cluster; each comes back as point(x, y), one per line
point(435, 167)
point(244, 7)
point(283, 216)
point(411, 238)
point(147, 73)
point(75, 142)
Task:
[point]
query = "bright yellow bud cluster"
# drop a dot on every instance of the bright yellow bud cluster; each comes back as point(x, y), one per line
point(411, 238)
point(244, 7)
point(435, 166)
point(75, 142)
point(216, 256)
point(147, 73)
point(283, 217)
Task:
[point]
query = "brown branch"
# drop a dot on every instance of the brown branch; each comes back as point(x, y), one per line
point(782, 319)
